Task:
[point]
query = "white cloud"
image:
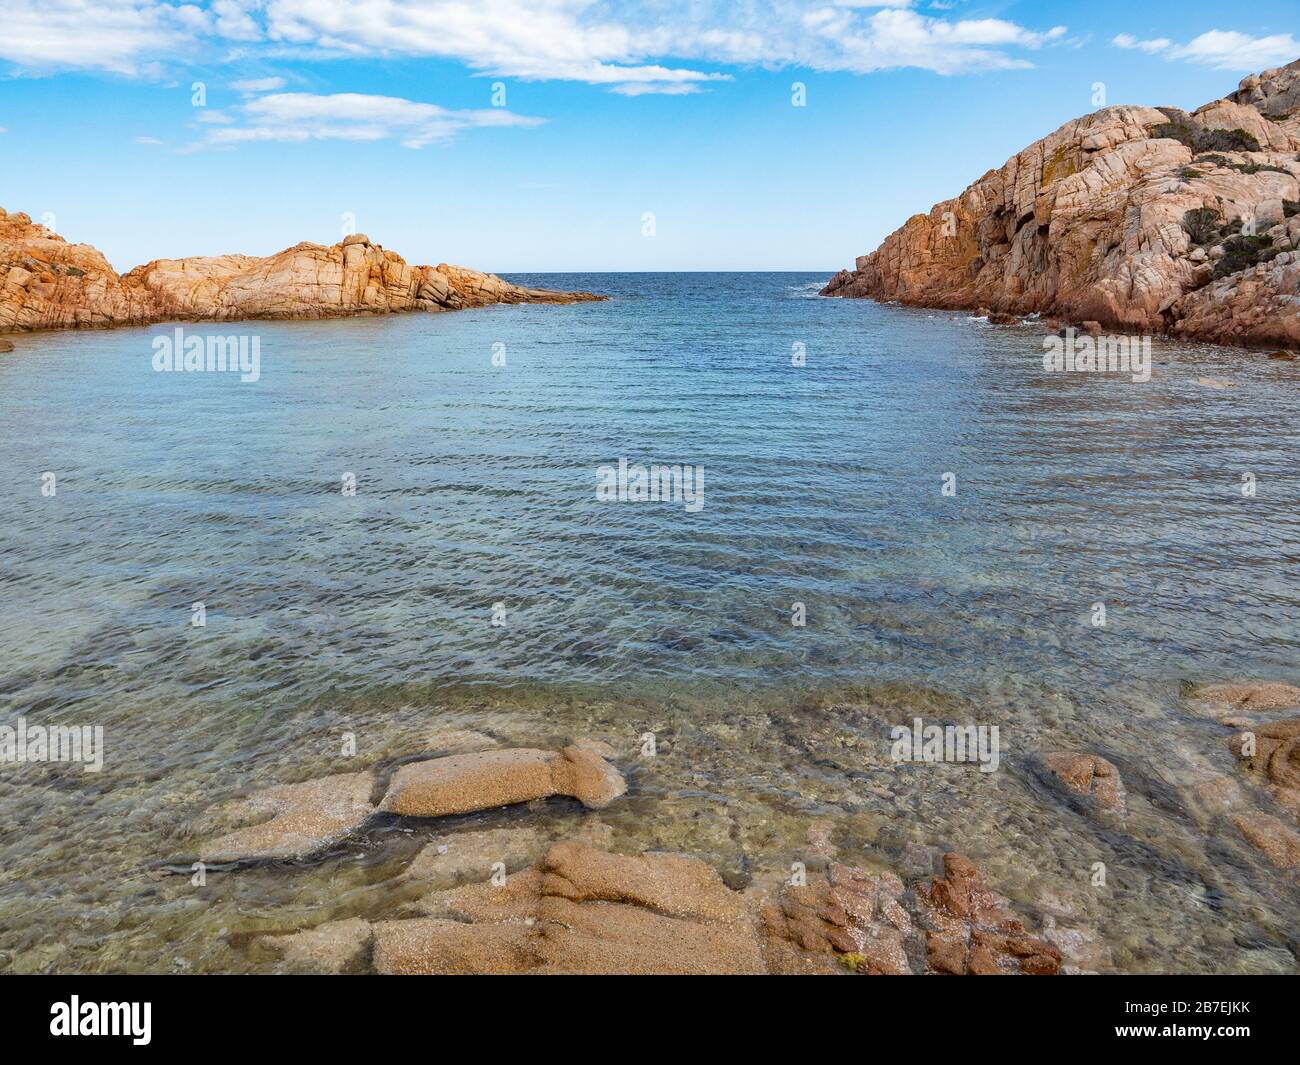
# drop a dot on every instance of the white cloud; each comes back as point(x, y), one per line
point(617, 44)
point(297, 117)
point(1222, 49)
point(110, 35)
point(902, 38)
point(1127, 40)
point(256, 85)
point(147, 140)
point(1229, 50)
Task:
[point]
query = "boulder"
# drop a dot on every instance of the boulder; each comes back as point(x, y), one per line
point(466, 782)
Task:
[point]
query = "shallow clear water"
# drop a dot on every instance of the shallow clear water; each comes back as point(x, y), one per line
point(476, 484)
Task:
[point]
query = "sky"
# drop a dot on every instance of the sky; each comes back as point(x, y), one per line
point(567, 135)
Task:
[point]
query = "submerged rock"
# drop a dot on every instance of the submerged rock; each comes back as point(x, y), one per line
point(473, 855)
point(853, 914)
point(304, 818)
point(1083, 951)
point(580, 911)
point(1276, 751)
point(1253, 695)
point(1090, 775)
point(425, 946)
point(333, 948)
point(1278, 843)
point(466, 782)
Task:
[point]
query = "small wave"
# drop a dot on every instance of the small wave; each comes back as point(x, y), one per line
point(810, 290)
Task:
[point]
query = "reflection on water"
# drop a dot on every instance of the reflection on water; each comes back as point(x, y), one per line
point(372, 613)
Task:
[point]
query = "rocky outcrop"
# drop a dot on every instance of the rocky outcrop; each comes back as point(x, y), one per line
point(1140, 219)
point(473, 855)
point(463, 783)
point(47, 283)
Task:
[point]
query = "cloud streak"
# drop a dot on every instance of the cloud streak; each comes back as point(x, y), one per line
point(1221, 49)
point(298, 117)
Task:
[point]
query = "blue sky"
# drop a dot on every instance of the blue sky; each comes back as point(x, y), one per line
point(384, 110)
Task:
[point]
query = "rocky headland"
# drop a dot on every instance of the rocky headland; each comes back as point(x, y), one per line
point(1132, 219)
point(47, 283)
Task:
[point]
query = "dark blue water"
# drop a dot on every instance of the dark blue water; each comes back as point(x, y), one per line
point(476, 486)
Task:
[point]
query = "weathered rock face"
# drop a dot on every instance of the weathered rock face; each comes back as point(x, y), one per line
point(1140, 219)
point(47, 283)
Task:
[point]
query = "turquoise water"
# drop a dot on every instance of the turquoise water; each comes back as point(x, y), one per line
point(475, 486)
